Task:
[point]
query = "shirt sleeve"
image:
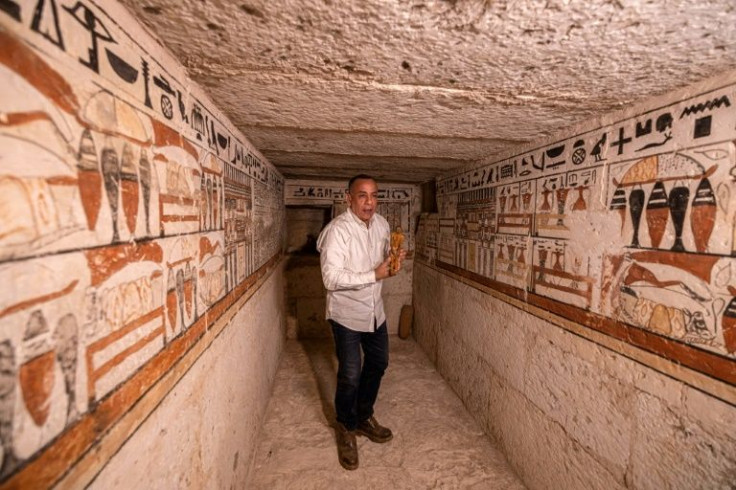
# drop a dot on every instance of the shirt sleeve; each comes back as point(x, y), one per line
point(333, 249)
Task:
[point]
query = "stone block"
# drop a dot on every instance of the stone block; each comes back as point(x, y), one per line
point(304, 277)
point(675, 450)
point(537, 447)
point(542, 452)
point(594, 407)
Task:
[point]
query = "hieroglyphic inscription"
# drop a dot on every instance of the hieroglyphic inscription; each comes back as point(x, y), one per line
point(634, 221)
point(130, 207)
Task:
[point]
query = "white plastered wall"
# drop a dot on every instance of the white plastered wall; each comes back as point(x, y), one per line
point(204, 432)
point(567, 412)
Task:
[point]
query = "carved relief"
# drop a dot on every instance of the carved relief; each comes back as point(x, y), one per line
point(633, 222)
point(40, 353)
point(127, 209)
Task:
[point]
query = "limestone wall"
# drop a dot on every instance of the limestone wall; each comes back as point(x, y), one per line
point(135, 221)
point(303, 225)
point(579, 296)
point(205, 431)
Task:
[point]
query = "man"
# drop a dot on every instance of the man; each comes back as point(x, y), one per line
point(354, 257)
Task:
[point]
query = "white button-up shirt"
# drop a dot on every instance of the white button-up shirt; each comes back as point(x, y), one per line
point(349, 253)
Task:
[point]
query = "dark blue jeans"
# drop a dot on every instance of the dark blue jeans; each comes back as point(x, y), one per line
point(357, 389)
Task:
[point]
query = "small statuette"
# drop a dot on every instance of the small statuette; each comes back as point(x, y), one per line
point(397, 239)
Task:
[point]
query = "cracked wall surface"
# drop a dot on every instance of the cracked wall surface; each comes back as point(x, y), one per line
point(568, 412)
point(412, 89)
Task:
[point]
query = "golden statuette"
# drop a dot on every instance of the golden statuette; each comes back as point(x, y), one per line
point(397, 239)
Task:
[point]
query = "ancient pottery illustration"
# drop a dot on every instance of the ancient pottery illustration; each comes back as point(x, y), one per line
point(216, 206)
point(657, 214)
point(559, 258)
point(580, 204)
point(130, 189)
point(111, 174)
point(728, 323)
point(526, 200)
point(702, 215)
point(89, 179)
point(561, 195)
point(144, 167)
point(546, 206)
point(66, 341)
point(511, 257)
point(171, 299)
point(180, 295)
point(36, 375)
point(679, 197)
point(36, 382)
point(542, 262)
point(636, 206)
point(618, 202)
point(7, 405)
point(188, 289)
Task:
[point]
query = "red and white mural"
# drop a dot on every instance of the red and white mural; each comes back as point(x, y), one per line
point(129, 206)
point(629, 228)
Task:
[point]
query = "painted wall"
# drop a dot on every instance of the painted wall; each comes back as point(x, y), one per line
point(580, 296)
point(134, 222)
point(203, 435)
point(398, 203)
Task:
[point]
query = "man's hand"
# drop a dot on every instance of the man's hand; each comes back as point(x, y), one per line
point(382, 271)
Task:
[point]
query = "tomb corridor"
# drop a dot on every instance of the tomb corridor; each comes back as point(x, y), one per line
point(564, 175)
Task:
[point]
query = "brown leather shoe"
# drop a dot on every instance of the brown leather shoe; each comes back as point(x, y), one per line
point(347, 447)
point(374, 431)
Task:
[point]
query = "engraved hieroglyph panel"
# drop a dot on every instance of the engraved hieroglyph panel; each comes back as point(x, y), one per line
point(680, 201)
point(125, 320)
point(180, 274)
point(686, 298)
point(268, 222)
point(112, 221)
point(42, 351)
point(513, 260)
point(211, 273)
point(635, 221)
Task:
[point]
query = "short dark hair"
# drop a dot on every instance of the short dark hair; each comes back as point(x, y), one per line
point(359, 177)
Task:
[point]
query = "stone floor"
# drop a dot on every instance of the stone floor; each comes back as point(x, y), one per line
point(436, 442)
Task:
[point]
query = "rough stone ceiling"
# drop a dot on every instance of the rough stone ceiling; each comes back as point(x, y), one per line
point(408, 89)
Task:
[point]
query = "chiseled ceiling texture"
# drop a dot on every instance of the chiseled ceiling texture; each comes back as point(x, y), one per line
point(408, 89)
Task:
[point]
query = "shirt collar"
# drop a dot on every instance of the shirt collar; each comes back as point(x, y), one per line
point(360, 221)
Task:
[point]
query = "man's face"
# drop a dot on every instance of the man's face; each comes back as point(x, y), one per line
point(362, 198)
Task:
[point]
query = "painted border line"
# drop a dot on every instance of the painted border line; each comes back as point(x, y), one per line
point(628, 341)
point(74, 458)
